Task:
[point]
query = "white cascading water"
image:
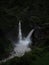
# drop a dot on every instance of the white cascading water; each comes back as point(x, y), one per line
point(21, 46)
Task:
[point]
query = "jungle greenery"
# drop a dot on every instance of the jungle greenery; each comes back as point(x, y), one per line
point(32, 14)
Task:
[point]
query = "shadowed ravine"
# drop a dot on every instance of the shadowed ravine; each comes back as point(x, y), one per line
point(21, 46)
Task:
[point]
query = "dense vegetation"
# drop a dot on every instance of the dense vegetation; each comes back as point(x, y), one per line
point(32, 14)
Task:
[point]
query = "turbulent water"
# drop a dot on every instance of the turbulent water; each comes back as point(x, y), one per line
point(21, 46)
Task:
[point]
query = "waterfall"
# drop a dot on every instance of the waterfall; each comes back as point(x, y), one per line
point(20, 33)
point(21, 46)
point(30, 33)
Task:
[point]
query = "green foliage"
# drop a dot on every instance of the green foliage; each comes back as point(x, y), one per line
point(44, 60)
point(33, 13)
point(5, 48)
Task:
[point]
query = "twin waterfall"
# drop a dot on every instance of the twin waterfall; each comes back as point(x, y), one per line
point(21, 46)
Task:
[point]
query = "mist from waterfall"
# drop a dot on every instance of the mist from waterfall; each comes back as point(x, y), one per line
point(21, 46)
